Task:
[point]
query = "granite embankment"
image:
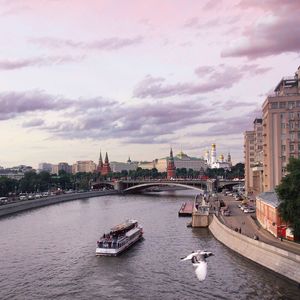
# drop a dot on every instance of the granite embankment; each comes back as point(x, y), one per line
point(19, 206)
point(278, 260)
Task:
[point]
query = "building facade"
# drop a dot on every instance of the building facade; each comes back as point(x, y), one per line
point(268, 216)
point(63, 166)
point(87, 166)
point(45, 167)
point(249, 158)
point(281, 125)
point(181, 160)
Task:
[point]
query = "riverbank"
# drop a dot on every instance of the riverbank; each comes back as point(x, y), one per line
point(16, 207)
point(278, 260)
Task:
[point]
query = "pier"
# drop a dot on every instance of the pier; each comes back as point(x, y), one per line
point(186, 209)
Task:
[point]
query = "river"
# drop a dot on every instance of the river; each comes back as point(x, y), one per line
point(49, 253)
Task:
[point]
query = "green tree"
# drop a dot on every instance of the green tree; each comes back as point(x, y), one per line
point(289, 194)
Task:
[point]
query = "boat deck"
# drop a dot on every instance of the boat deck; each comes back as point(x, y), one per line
point(186, 209)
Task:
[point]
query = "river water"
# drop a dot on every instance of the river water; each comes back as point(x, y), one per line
point(49, 253)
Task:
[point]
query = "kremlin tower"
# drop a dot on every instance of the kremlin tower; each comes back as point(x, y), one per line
point(100, 164)
point(105, 169)
point(171, 169)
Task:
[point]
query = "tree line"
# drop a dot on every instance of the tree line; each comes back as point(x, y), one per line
point(44, 181)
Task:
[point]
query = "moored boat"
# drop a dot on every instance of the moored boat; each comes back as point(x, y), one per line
point(120, 238)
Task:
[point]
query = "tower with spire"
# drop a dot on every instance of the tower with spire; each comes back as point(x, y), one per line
point(171, 169)
point(106, 166)
point(100, 163)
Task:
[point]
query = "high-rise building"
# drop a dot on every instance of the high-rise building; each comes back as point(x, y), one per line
point(249, 157)
point(63, 166)
point(45, 167)
point(281, 125)
point(257, 169)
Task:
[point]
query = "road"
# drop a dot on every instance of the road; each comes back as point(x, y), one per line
point(250, 227)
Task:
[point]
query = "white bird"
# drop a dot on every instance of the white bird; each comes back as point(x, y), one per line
point(198, 259)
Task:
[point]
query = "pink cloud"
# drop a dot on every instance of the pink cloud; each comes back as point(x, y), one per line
point(278, 33)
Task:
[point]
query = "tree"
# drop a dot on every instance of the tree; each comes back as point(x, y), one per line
point(288, 192)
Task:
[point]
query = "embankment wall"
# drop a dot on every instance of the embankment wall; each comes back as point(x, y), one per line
point(30, 204)
point(278, 260)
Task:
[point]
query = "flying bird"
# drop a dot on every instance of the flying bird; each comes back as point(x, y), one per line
point(198, 259)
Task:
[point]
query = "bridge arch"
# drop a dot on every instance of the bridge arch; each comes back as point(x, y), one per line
point(146, 185)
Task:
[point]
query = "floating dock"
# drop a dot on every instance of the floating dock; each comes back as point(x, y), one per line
point(186, 209)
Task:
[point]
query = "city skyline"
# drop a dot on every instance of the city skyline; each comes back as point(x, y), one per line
point(134, 78)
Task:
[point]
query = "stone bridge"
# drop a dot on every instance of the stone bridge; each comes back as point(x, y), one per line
point(135, 186)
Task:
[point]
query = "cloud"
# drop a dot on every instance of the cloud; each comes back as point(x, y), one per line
point(234, 125)
point(215, 78)
point(276, 33)
point(16, 103)
point(33, 123)
point(113, 43)
point(105, 118)
point(37, 61)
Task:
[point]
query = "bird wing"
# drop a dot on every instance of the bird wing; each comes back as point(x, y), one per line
point(201, 270)
point(190, 256)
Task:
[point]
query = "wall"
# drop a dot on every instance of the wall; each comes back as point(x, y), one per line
point(275, 259)
point(30, 204)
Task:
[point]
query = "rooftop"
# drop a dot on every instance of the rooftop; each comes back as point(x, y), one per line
point(270, 198)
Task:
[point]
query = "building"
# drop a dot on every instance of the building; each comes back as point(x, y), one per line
point(281, 124)
point(249, 160)
point(121, 166)
point(268, 216)
point(171, 169)
point(257, 169)
point(47, 167)
point(253, 155)
point(87, 166)
point(214, 163)
point(63, 166)
point(181, 160)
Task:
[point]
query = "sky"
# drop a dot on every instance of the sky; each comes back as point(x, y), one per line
point(135, 78)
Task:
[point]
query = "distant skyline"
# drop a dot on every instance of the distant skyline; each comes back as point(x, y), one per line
point(136, 77)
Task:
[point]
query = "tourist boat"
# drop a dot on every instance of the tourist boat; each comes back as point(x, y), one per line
point(120, 238)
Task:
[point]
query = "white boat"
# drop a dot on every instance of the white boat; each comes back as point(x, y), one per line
point(120, 238)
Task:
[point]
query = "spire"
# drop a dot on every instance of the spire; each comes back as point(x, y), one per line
point(106, 158)
point(171, 169)
point(171, 154)
point(100, 160)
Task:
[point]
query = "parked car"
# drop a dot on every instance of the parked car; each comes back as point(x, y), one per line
point(249, 210)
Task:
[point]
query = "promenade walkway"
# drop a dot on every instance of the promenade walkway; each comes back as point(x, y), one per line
point(248, 226)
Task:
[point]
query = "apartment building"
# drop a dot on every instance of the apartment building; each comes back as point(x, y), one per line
point(281, 125)
point(249, 156)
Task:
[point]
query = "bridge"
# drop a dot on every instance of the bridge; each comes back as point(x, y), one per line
point(136, 186)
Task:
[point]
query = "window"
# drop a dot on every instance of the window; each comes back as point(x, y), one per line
point(298, 103)
point(292, 137)
point(282, 104)
point(298, 135)
point(274, 105)
point(283, 158)
point(291, 115)
point(291, 125)
point(283, 136)
point(282, 115)
point(291, 104)
point(292, 147)
point(282, 148)
point(282, 125)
